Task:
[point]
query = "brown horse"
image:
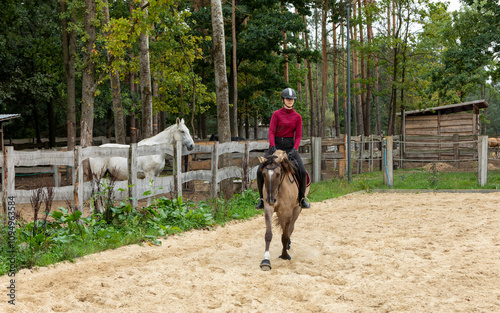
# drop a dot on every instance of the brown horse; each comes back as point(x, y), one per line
point(280, 193)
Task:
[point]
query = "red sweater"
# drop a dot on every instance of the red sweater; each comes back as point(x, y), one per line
point(285, 123)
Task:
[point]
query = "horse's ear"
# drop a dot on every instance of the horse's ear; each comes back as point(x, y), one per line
point(262, 159)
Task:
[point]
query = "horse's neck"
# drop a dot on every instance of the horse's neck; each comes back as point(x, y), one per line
point(166, 136)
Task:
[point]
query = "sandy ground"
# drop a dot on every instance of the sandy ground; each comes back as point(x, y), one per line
point(378, 252)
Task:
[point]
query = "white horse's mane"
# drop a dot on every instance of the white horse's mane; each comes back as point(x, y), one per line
point(161, 135)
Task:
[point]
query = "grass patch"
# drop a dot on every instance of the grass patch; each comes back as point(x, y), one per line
point(403, 179)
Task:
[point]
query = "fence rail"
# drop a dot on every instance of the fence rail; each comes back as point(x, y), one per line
point(135, 188)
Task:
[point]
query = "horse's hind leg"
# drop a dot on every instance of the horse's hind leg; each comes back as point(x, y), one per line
point(265, 265)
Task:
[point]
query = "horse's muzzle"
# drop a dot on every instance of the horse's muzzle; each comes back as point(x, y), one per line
point(190, 147)
point(271, 201)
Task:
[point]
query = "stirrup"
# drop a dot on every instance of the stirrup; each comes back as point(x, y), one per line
point(304, 204)
point(260, 205)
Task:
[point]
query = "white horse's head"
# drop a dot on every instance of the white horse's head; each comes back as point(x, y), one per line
point(181, 133)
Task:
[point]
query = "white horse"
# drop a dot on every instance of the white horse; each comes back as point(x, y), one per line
point(150, 165)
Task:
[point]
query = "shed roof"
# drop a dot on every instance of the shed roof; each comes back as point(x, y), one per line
point(452, 108)
point(6, 117)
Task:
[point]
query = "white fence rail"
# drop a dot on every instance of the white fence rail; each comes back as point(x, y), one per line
point(135, 188)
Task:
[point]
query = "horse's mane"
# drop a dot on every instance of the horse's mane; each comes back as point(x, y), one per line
point(286, 164)
point(145, 140)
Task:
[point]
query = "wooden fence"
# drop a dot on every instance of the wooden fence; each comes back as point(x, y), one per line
point(314, 152)
point(14, 161)
point(438, 148)
point(470, 148)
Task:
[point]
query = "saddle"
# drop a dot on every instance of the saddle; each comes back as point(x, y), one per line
point(296, 178)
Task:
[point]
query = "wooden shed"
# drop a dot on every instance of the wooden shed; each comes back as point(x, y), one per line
point(461, 119)
point(435, 133)
point(5, 118)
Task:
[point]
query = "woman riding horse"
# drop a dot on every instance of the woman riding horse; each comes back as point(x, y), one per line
point(285, 133)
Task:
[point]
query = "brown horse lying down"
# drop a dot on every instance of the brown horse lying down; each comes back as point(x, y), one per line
point(493, 142)
point(280, 193)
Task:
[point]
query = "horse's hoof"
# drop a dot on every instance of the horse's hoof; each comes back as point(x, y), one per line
point(265, 265)
point(288, 257)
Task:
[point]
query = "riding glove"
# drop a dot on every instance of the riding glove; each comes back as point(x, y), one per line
point(271, 150)
point(292, 153)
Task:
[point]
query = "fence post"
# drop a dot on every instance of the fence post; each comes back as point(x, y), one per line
point(132, 175)
point(387, 164)
point(78, 191)
point(4, 184)
point(9, 181)
point(215, 164)
point(456, 150)
point(482, 166)
point(245, 181)
point(343, 153)
point(178, 167)
point(55, 168)
point(316, 158)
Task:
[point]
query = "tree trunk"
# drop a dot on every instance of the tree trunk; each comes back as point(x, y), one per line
point(336, 82)
point(311, 96)
point(88, 86)
point(69, 52)
point(221, 88)
point(324, 70)
point(317, 118)
point(362, 83)
point(145, 78)
point(368, 99)
point(357, 84)
point(344, 78)
point(52, 124)
point(256, 125)
point(115, 91)
point(378, 129)
point(155, 117)
point(235, 72)
point(133, 92)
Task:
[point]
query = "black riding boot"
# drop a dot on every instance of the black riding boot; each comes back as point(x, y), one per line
point(260, 183)
point(302, 190)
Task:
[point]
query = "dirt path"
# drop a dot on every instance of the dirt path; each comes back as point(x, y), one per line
point(429, 252)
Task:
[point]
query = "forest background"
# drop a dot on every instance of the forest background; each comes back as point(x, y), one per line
point(84, 68)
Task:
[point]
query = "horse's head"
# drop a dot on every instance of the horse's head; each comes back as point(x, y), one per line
point(273, 171)
point(182, 134)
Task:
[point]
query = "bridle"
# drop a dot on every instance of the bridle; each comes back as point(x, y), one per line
point(282, 177)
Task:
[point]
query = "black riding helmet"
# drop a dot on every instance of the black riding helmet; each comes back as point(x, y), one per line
point(288, 93)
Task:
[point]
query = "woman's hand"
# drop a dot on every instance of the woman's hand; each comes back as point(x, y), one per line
point(271, 150)
point(292, 153)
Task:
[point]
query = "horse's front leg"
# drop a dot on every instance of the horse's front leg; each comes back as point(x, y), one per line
point(265, 265)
